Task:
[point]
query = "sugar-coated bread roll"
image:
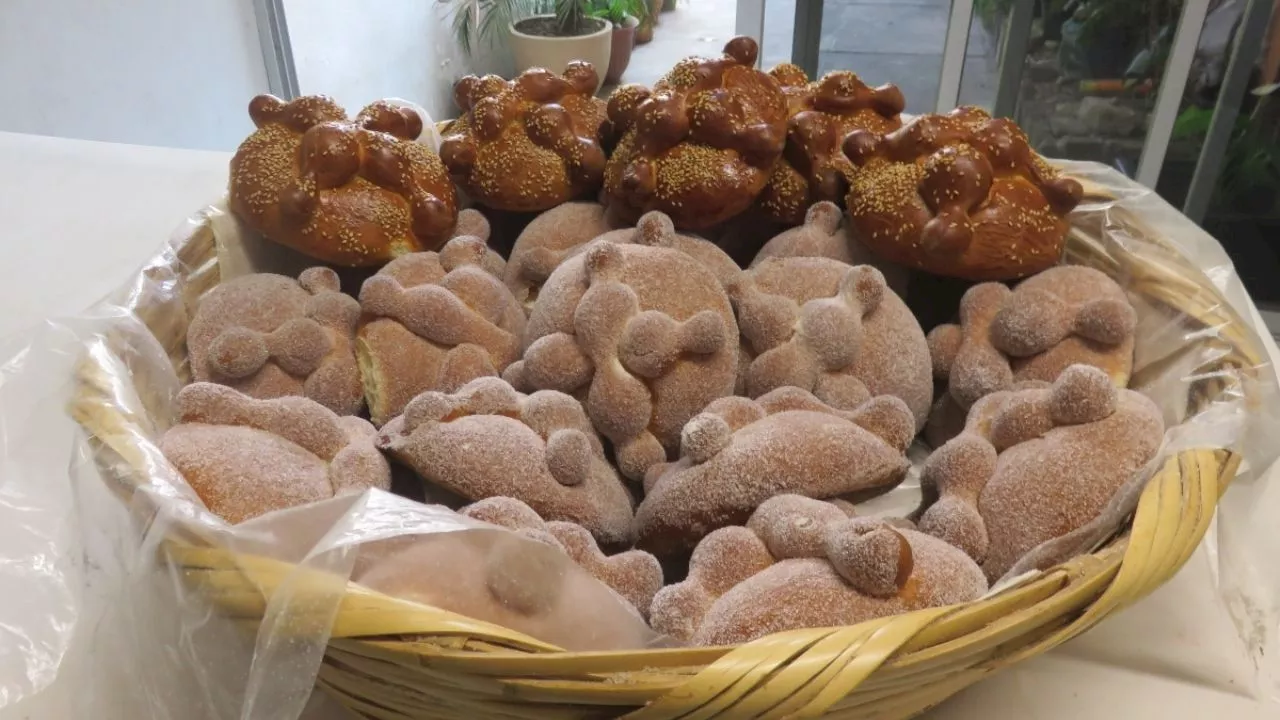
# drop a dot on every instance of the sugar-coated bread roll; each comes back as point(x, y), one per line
point(487, 440)
point(738, 453)
point(835, 330)
point(271, 336)
point(434, 321)
point(633, 574)
point(701, 144)
point(354, 193)
point(247, 457)
point(800, 563)
point(1067, 315)
point(527, 144)
point(510, 580)
point(1035, 464)
point(961, 195)
point(642, 334)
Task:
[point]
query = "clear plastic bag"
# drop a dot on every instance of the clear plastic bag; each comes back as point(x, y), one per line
point(93, 560)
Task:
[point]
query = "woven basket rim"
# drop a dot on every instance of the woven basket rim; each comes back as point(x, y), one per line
point(890, 667)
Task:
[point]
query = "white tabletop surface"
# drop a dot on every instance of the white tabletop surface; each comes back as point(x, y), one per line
point(77, 217)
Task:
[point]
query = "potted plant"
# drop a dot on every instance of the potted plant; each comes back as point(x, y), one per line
point(541, 33)
point(625, 15)
point(644, 32)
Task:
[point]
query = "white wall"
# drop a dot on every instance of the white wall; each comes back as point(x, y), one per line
point(361, 52)
point(178, 73)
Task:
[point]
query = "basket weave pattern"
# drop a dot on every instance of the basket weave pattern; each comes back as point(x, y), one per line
point(391, 659)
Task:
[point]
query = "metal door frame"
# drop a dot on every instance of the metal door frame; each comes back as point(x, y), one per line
point(1012, 52)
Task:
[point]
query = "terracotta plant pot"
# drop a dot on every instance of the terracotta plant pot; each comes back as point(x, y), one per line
point(624, 38)
point(554, 53)
point(644, 31)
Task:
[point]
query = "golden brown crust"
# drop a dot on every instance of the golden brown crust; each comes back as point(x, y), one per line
point(530, 143)
point(813, 166)
point(701, 146)
point(353, 193)
point(247, 457)
point(961, 195)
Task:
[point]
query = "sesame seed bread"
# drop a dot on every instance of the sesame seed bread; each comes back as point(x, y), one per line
point(960, 195)
point(527, 144)
point(813, 167)
point(350, 193)
point(701, 144)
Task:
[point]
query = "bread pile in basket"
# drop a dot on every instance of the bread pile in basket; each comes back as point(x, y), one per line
point(691, 416)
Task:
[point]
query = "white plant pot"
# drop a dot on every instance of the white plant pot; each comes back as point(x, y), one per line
point(554, 53)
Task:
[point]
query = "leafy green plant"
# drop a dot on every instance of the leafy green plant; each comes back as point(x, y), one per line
point(487, 20)
point(616, 11)
point(1251, 165)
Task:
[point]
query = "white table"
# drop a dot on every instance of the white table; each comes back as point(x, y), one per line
point(79, 216)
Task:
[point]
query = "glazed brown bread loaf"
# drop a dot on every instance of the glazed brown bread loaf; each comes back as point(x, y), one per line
point(527, 144)
point(354, 193)
point(813, 166)
point(700, 145)
point(961, 195)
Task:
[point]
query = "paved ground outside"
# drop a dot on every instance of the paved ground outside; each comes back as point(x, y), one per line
point(898, 41)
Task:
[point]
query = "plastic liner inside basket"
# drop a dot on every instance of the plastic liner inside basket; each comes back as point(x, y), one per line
point(241, 617)
point(1185, 360)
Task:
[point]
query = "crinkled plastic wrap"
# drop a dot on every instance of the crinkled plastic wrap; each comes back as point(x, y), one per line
point(105, 543)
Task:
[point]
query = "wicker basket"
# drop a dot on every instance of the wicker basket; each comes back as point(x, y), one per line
point(391, 659)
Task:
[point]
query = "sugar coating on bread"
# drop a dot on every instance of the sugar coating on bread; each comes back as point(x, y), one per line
point(732, 461)
point(546, 241)
point(246, 457)
point(961, 195)
point(821, 113)
point(355, 193)
point(833, 329)
point(272, 336)
point(487, 440)
point(701, 144)
point(844, 570)
point(1064, 316)
point(1035, 464)
point(823, 233)
point(527, 144)
point(642, 335)
point(512, 581)
point(633, 574)
point(473, 223)
point(434, 321)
